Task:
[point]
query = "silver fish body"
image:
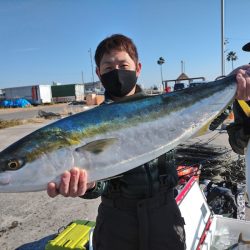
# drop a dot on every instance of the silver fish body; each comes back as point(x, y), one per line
point(111, 139)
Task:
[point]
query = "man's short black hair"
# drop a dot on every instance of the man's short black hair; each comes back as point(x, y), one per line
point(116, 42)
point(246, 47)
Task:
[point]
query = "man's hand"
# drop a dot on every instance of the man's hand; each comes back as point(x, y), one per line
point(243, 80)
point(73, 184)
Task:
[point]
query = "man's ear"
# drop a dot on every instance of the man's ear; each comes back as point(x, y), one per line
point(97, 71)
point(138, 69)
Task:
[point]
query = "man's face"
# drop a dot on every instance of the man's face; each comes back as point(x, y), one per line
point(117, 60)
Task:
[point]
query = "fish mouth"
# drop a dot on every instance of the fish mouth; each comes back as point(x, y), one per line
point(4, 179)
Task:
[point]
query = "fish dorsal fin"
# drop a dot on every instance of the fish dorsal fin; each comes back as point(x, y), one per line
point(97, 146)
point(131, 98)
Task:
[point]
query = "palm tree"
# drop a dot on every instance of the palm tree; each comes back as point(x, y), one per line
point(231, 56)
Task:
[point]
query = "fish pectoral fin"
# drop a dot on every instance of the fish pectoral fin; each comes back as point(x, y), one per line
point(97, 146)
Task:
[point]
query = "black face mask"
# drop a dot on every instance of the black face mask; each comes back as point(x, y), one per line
point(119, 82)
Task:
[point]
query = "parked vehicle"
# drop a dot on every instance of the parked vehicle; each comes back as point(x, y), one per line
point(35, 94)
point(68, 93)
point(2, 95)
point(179, 86)
point(193, 84)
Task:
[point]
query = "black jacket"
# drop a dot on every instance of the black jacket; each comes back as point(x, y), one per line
point(141, 182)
point(239, 130)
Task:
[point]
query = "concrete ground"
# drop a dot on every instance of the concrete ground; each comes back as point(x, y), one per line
point(29, 220)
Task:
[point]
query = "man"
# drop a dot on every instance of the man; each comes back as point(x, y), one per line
point(138, 210)
point(239, 131)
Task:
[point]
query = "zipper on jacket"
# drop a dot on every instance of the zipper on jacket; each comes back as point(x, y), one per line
point(150, 180)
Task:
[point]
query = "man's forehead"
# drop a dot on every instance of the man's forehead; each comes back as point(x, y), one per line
point(115, 56)
point(112, 60)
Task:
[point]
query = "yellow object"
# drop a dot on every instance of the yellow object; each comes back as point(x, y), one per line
point(74, 236)
point(245, 107)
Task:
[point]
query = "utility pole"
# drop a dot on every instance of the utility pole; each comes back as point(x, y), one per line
point(182, 66)
point(222, 40)
point(82, 78)
point(90, 54)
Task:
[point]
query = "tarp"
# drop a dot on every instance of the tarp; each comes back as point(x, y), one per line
point(18, 103)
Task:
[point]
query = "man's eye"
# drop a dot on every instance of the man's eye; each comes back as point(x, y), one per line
point(107, 69)
point(124, 66)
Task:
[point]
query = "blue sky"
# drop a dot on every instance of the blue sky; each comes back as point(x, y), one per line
point(42, 41)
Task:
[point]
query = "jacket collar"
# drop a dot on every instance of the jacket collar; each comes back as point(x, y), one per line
point(108, 99)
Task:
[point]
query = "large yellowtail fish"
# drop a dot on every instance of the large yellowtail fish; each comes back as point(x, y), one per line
point(112, 139)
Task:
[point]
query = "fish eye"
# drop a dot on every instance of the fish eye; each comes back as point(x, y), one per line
point(13, 164)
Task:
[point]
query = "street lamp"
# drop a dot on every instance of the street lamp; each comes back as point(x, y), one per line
point(160, 61)
point(222, 40)
point(90, 54)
